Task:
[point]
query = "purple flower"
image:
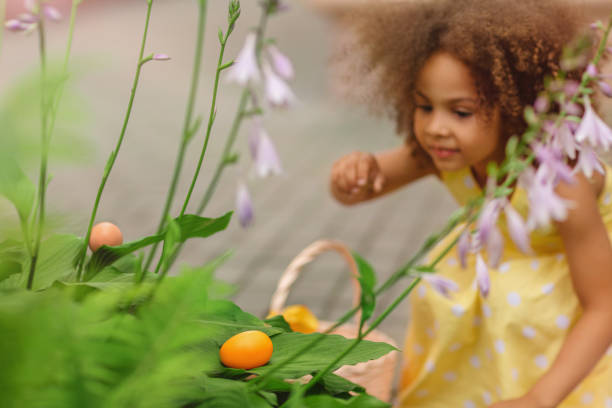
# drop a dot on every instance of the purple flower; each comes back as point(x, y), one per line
point(463, 246)
point(28, 18)
point(541, 104)
point(593, 129)
point(245, 68)
point(588, 161)
point(267, 160)
point(16, 25)
point(605, 88)
point(571, 88)
point(482, 276)
point(244, 206)
point(255, 135)
point(544, 203)
point(280, 63)
point(495, 247)
point(573, 109)
point(488, 219)
point(562, 138)
point(277, 91)
point(592, 70)
point(517, 229)
point(51, 13)
point(552, 158)
point(442, 285)
point(160, 57)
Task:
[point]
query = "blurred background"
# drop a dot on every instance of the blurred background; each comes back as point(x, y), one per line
point(291, 211)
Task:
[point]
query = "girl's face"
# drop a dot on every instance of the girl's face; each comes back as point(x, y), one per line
point(449, 122)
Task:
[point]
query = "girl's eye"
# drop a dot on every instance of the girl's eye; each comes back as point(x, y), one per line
point(424, 108)
point(463, 114)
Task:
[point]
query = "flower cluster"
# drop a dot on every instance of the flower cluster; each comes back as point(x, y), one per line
point(28, 21)
point(564, 134)
point(261, 61)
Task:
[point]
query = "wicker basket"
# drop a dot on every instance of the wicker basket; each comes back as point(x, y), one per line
point(376, 376)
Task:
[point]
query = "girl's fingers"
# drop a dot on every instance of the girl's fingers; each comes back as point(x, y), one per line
point(379, 183)
point(363, 171)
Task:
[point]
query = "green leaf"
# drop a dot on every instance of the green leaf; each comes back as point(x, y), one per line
point(359, 401)
point(191, 226)
point(224, 393)
point(16, 187)
point(225, 319)
point(511, 146)
point(319, 355)
point(12, 256)
point(280, 322)
point(367, 280)
point(335, 384)
point(172, 237)
point(55, 260)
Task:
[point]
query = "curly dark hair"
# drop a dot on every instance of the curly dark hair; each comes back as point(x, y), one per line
point(509, 46)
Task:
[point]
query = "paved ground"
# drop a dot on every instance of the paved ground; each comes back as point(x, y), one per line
point(291, 211)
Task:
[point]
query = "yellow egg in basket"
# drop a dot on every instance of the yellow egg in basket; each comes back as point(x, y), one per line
point(300, 318)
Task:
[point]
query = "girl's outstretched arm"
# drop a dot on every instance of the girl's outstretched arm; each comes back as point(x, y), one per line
point(360, 176)
point(589, 256)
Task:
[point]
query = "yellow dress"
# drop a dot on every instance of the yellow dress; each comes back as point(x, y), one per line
point(469, 351)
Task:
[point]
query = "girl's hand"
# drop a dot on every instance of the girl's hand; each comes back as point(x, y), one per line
point(355, 177)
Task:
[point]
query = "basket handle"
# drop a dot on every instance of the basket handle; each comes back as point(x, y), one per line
point(307, 255)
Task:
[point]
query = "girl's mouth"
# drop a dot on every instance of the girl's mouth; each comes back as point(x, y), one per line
point(443, 153)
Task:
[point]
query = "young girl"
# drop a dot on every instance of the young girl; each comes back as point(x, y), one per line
point(456, 75)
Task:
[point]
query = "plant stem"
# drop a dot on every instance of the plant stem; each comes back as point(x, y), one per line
point(188, 130)
point(2, 14)
point(226, 151)
point(211, 120)
point(42, 178)
point(114, 153)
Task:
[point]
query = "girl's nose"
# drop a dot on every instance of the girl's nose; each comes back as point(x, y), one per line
point(437, 126)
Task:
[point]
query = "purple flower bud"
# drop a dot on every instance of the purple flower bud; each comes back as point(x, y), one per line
point(488, 219)
point(605, 88)
point(573, 109)
point(541, 104)
point(571, 88)
point(463, 246)
point(267, 160)
point(51, 13)
point(280, 63)
point(495, 247)
point(517, 229)
point(16, 26)
point(593, 129)
point(244, 206)
point(442, 285)
point(245, 68)
point(277, 91)
point(592, 70)
point(609, 49)
point(255, 135)
point(28, 18)
point(482, 276)
point(160, 57)
point(563, 139)
point(588, 161)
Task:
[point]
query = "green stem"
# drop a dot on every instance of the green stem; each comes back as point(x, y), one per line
point(211, 120)
point(226, 151)
point(114, 153)
point(188, 126)
point(42, 178)
point(2, 14)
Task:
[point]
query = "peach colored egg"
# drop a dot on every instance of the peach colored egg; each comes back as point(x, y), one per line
point(105, 233)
